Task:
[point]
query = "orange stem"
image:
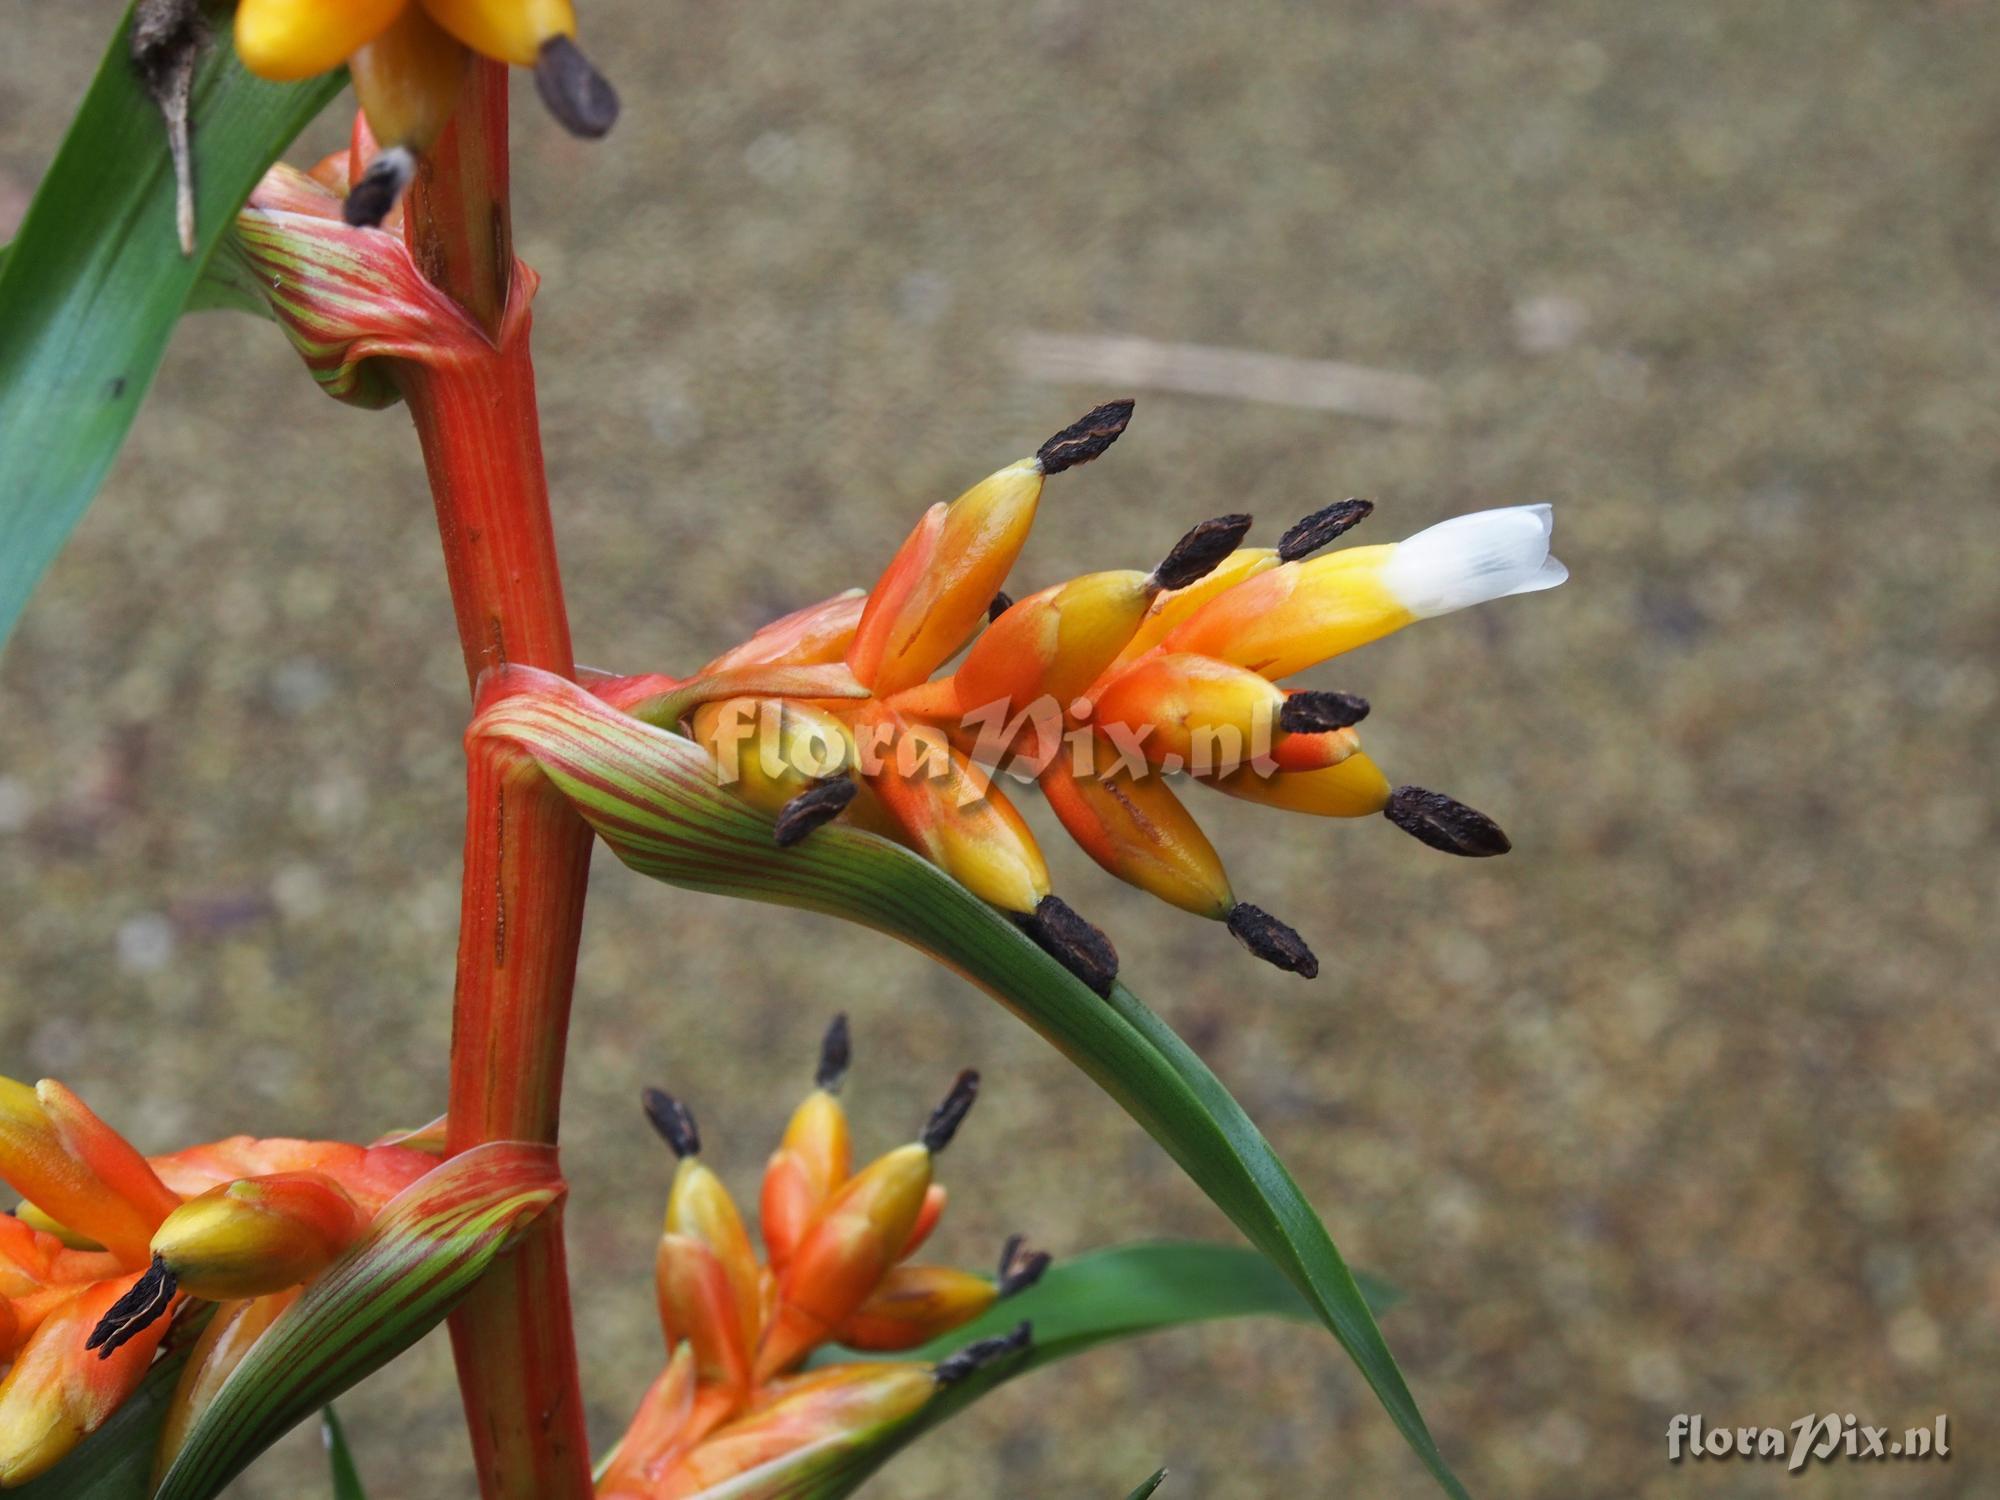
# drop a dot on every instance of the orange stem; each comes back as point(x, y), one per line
point(526, 852)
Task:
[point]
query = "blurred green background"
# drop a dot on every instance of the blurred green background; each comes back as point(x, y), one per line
point(1687, 1106)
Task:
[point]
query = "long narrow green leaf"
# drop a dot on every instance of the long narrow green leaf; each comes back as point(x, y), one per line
point(1108, 1295)
point(419, 1256)
point(652, 795)
point(1147, 1486)
point(340, 1462)
point(91, 287)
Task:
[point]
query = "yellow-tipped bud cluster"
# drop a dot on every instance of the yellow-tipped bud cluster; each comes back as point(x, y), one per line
point(838, 1243)
point(408, 58)
point(1102, 688)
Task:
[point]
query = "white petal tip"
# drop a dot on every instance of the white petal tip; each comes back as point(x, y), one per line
point(1470, 559)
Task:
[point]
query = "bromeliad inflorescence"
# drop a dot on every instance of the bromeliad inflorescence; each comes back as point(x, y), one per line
point(1097, 689)
point(408, 61)
point(109, 1244)
point(733, 1398)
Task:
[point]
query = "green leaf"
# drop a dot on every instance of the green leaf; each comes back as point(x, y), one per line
point(418, 1257)
point(1079, 1304)
point(346, 1478)
point(92, 286)
point(1147, 1486)
point(653, 797)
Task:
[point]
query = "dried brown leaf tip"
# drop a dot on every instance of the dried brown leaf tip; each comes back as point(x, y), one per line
point(1195, 555)
point(1085, 438)
point(1445, 823)
point(167, 38)
point(1271, 940)
point(1323, 526)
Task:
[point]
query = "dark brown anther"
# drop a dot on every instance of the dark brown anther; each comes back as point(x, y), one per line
point(835, 1053)
point(381, 185)
point(1195, 555)
point(813, 807)
point(977, 1356)
point(1018, 1272)
point(674, 1122)
point(1445, 823)
point(1271, 940)
point(1085, 438)
point(1321, 527)
point(1316, 713)
point(577, 94)
point(151, 1295)
point(948, 1116)
point(1002, 602)
point(1072, 942)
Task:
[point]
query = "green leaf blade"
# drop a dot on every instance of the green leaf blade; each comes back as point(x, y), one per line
point(339, 1460)
point(93, 284)
point(1078, 1304)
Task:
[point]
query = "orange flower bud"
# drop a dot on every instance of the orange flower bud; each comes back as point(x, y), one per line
point(1053, 644)
point(1355, 788)
point(954, 815)
point(1203, 712)
point(913, 1305)
point(935, 590)
point(1135, 827)
point(79, 1170)
point(809, 637)
point(698, 1305)
point(935, 1198)
point(256, 1235)
point(851, 1246)
point(59, 1391)
point(815, 1156)
point(700, 1208)
point(674, 1415)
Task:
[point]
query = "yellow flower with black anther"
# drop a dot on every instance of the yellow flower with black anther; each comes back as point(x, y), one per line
point(408, 60)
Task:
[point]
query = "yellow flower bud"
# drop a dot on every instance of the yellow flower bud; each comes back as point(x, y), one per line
point(256, 1235)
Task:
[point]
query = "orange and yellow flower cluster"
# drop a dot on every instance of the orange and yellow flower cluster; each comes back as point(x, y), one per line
point(109, 1244)
point(837, 1242)
point(408, 61)
point(1098, 689)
